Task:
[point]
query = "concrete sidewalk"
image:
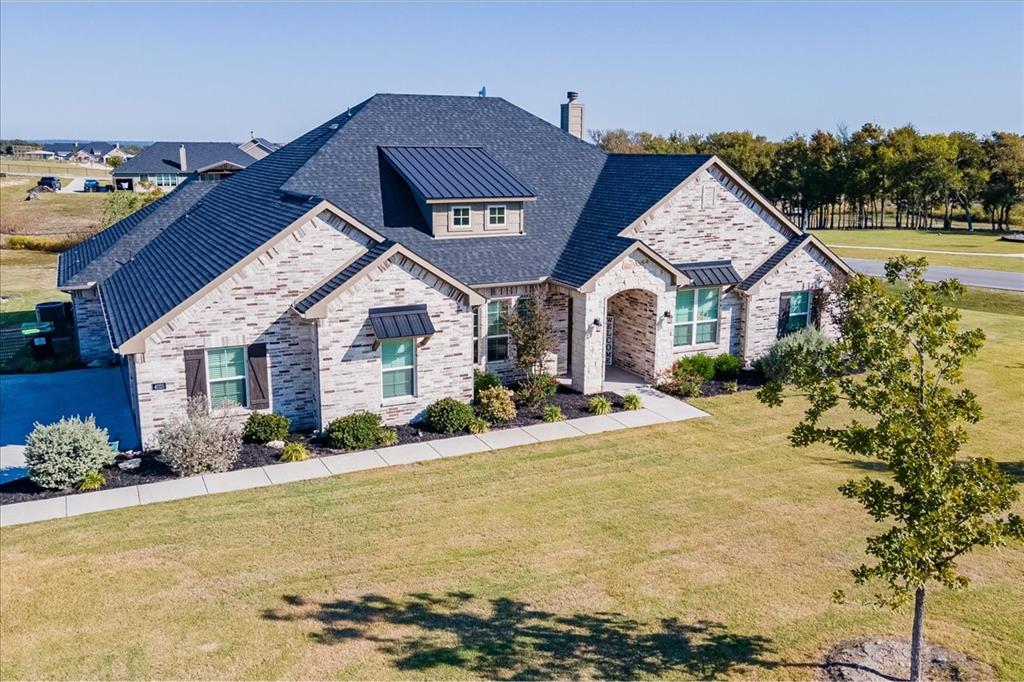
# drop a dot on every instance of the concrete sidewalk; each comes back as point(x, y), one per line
point(658, 408)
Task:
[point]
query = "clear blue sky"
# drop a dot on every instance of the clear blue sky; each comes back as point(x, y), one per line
point(212, 72)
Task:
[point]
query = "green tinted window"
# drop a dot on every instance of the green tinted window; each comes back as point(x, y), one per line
point(398, 358)
point(225, 370)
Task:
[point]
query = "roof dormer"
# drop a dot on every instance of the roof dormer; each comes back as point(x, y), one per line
point(462, 191)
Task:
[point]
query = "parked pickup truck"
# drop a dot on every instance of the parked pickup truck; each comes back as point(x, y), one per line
point(48, 183)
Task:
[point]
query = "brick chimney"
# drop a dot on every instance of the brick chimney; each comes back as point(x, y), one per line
point(572, 115)
point(182, 159)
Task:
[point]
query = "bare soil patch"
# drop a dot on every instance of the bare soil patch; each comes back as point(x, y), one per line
point(875, 660)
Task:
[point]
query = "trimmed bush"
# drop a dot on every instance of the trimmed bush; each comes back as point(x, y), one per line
point(700, 364)
point(448, 415)
point(495, 405)
point(358, 431)
point(680, 383)
point(552, 413)
point(293, 452)
point(198, 442)
point(61, 454)
point(727, 367)
point(631, 401)
point(534, 391)
point(808, 343)
point(261, 427)
point(387, 437)
point(483, 381)
point(479, 425)
point(599, 405)
point(93, 480)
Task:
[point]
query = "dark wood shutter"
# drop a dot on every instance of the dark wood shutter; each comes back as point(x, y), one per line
point(259, 386)
point(195, 372)
point(817, 304)
point(783, 314)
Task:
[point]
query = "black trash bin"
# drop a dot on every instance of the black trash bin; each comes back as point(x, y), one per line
point(39, 336)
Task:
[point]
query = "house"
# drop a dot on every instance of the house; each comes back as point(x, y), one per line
point(86, 152)
point(168, 164)
point(367, 265)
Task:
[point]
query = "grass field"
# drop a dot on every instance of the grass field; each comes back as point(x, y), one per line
point(959, 248)
point(51, 214)
point(61, 168)
point(26, 278)
point(706, 548)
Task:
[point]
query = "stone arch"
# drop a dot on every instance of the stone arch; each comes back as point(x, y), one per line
point(632, 331)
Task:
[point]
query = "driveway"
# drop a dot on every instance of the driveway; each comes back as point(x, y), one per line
point(74, 185)
point(990, 279)
point(45, 398)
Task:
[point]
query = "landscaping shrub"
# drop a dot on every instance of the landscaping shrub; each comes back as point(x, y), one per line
point(732, 386)
point(448, 415)
point(358, 431)
point(293, 452)
point(552, 413)
point(479, 425)
point(495, 405)
point(534, 390)
point(262, 427)
point(727, 367)
point(61, 454)
point(93, 480)
point(631, 401)
point(483, 381)
point(700, 364)
point(809, 343)
point(197, 441)
point(680, 383)
point(387, 437)
point(599, 405)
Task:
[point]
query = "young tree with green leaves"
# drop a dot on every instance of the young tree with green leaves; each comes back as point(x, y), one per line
point(897, 370)
point(121, 204)
point(533, 339)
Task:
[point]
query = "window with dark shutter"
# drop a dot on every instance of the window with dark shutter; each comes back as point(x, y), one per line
point(817, 303)
point(195, 372)
point(259, 386)
point(784, 305)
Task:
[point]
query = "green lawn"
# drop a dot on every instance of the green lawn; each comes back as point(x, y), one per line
point(959, 248)
point(698, 549)
point(26, 278)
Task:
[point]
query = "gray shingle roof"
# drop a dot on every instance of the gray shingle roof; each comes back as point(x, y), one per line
point(455, 173)
point(710, 273)
point(374, 252)
point(585, 197)
point(780, 254)
point(163, 157)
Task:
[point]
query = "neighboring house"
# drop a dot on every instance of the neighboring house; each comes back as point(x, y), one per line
point(168, 164)
point(367, 265)
point(86, 152)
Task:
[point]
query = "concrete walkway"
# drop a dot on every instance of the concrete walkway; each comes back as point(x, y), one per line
point(658, 408)
point(972, 277)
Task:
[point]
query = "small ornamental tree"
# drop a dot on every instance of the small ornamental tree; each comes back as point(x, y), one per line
point(529, 330)
point(898, 368)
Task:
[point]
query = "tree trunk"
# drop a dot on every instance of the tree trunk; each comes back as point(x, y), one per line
point(917, 636)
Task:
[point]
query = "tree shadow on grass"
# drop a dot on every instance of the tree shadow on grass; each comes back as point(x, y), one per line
point(1015, 469)
point(505, 638)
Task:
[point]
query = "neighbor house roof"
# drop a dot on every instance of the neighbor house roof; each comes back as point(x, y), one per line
point(584, 198)
point(164, 157)
point(446, 173)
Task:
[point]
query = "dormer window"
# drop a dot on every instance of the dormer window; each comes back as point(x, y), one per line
point(496, 216)
point(460, 218)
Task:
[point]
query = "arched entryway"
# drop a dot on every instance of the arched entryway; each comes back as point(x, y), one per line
point(631, 332)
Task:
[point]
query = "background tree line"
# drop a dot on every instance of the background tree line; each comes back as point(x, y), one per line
point(869, 178)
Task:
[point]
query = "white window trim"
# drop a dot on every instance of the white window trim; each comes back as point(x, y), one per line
point(415, 383)
point(451, 218)
point(244, 377)
point(696, 320)
point(488, 225)
point(806, 315)
point(508, 352)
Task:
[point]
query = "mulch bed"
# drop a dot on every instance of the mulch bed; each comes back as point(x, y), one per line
point(573, 405)
point(748, 380)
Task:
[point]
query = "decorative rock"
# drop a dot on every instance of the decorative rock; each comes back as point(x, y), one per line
point(276, 444)
point(130, 464)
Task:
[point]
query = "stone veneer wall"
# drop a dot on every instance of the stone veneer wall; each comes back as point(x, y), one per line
point(252, 306)
point(556, 302)
point(90, 326)
point(634, 331)
point(805, 269)
point(350, 366)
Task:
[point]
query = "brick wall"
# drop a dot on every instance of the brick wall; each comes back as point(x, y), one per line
point(634, 331)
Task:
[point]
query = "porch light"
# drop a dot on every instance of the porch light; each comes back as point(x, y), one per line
point(597, 321)
point(667, 314)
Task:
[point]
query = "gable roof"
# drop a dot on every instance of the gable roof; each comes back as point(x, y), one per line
point(163, 157)
point(447, 173)
point(584, 199)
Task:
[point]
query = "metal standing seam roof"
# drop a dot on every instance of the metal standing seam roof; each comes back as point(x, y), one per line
point(455, 173)
point(710, 273)
point(400, 322)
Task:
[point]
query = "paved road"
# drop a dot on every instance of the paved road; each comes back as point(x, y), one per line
point(990, 279)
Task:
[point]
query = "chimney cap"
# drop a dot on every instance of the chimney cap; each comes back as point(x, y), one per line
point(572, 96)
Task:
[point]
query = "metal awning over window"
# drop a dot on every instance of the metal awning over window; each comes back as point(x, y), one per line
point(716, 273)
point(400, 322)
